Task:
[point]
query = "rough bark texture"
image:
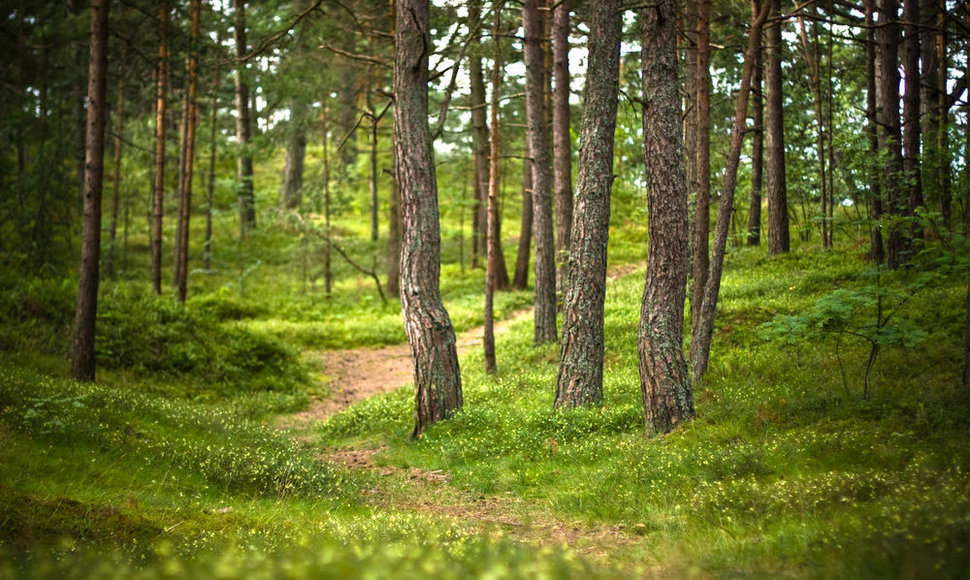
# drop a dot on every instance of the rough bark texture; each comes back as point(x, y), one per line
point(876, 251)
point(437, 381)
point(83, 361)
point(887, 95)
point(778, 235)
point(542, 227)
point(700, 347)
point(181, 283)
point(561, 146)
point(911, 111)
point(244, 162)
point(521, 280)
point(158, 194)
point(757, 146)
point(580, 380)
point(702, 160)
point(664, 384)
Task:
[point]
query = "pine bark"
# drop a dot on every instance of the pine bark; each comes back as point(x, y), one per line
point(580, 379)
point(887, 95)
point(83, 361)
point(877, 253)
point(437, 380)
point(757, 145)
point(700, 348)
point(491, 219)
point(542, 226)
point(244, 161)
point(664, 383)
point(911, 114)
point(561, 145)
point(158, 195)
point(192, 123)
point(778, 235)
point(702, 171)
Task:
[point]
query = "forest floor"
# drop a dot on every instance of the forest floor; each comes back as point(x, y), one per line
point(361, 373)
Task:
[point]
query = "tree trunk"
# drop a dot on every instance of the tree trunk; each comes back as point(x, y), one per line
point(479, 137)
point(83, 362)
point(757, 145)
point(702, 171)
point(542, 229)
point(437, 380)
point(394, 233)
point(812, 55)
point(521, 280)
point(491, 226)
point(580, 379)
point(561, 146)
point(158, 197)
point(664, 384)
point(291, 186)
point(887, 37)
point(700, 349)
point(911, 115)
point(325, 138)
point(876, 253)
point(186, 204)
point(778, 236)
point(244, 163)
point(109, 263)
point(180, 183)
point(211, 183)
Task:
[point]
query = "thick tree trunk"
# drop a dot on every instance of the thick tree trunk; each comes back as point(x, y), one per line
point(887, 93)
point(437, 380)
point(778, 235)
point(876, 253)
point(192, 123)
point(911, 113)
point(757, 145)
point(158, 196)
point(83, 361)
point(294, 160)
point(244, 162)
point(109, 263)
point(700, 349)
point(580, 379)
point(664, 384)
point(542, 227)
point(561, 146)
point(702, 171)
point(521, 280)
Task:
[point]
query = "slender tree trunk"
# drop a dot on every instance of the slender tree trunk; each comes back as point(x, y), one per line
point(812, 55)
point(109, 263)
point(887, 35)
point(757, 145)
point(186, 214)
point(211, 183)
point(437, 380)
point(580, 379)
point(180, 179)
point(664, 384)
point(561, 146)
point(521, 280)
point(542, 228)
point(702, 171)
point(911, 114)
point(700, 349)
point(158, 197)
point(394, 233)
point(244, 164)
point(778, 235)
point(876, 253)
point(372, 164)
point(491, 229)
point(294, 160)
point(83, 362)
point(480, 145)
point(325, 138)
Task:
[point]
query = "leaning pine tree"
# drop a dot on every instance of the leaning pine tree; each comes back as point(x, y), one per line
point(664, 383)
point(437, 381)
